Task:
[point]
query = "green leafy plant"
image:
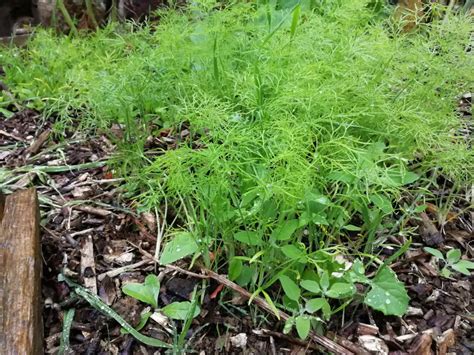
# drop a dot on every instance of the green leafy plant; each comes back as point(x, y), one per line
point(315, 294)
point(98, 304)
point(148, 292)
point(452, 262)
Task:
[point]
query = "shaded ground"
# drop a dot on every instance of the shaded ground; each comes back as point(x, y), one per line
point(82, 210)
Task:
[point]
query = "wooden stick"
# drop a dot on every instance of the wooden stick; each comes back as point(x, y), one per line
point(21, 329)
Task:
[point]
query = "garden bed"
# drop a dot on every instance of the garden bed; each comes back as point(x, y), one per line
point(280, 147)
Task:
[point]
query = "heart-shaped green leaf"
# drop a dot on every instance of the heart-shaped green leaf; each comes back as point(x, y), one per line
point(290, 322)
point(146, 292)
point(387, 295)
point(182, 245)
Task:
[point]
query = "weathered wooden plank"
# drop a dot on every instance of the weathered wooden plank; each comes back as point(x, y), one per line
point(21, 329)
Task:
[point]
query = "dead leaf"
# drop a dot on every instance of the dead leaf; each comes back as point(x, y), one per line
point(445, 341)
point(422, 345)
point(373, 344)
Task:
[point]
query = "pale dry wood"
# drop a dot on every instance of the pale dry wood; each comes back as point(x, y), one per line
point(93, 210)
point(88, 265)
point(409, 11)
point(20, 275)
point(38, 142)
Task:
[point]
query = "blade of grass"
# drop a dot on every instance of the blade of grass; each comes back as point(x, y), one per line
point(98, 304)
point(64, 346)
point(294, 20)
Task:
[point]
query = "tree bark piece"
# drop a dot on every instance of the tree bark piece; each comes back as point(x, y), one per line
point(20, 275)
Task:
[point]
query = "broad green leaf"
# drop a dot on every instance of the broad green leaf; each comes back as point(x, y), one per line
point(358, 267)
point(235, 268)
point(315, 304)
point(341, 290)
point(342, 176)
point(420, 208)
point(315, 197)
point(146, 292)
point(400, 178)
point(180, 310)
point(285, 231)
point(434, 252)
point(303, 325)
point(248, 237)
point(311, 286)
point(319, 219)
point(290, 287)
point(292, 252)
point(410, 177)
point(182, 245)
point(463, 267)
point(466, 263)
point(248, 197)
point(387, 294)
point(269, 210)
point(453, 256)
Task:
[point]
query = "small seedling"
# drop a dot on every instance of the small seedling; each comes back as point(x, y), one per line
point(148, 291)
point(452, 262)
point(385, 294)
